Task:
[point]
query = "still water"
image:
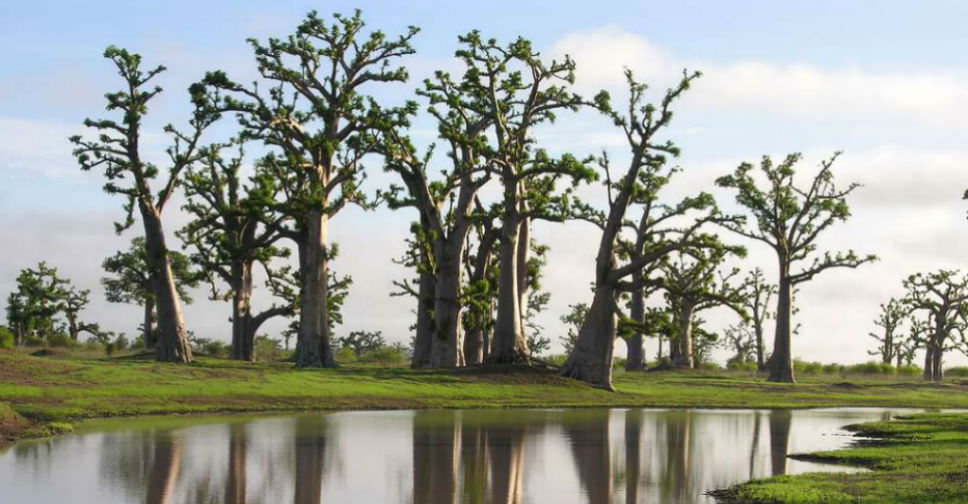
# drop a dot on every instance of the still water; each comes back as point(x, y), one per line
point(593, 456)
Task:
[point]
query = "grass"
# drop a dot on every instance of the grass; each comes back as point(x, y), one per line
point(913, 459)
point(47, 393)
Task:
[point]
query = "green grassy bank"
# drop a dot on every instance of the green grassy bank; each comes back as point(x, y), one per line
point(38, 394)
point(916, 459)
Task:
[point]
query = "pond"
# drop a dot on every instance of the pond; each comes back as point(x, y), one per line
point(593, 456)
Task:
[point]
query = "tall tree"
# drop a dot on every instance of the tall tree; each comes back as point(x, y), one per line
point(418, 257)
point(318, 115)
point(889, 320)
point(516, 91)
point(591, 358)
point(129, 280)
point(941, 300)
point(759, 293)
point(117, 151)
point(693, 282)
point(235, 228)
point(446, 204)
point(789, 219)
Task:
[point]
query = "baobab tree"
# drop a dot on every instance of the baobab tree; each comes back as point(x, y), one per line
point(890, 321)
point(116, 150)
point(446, 205)
point(693, 282)
point(789, 219)
point(941, 300)
point(317, 114)
point(759, 293)
point(234, 229)
point(591, 358)
point(515, 90)
point(129, 281)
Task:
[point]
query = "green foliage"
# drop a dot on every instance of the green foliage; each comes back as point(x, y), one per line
point(361, 342)
point(210, 347)
point(129, 279)
point(267, 349)
point(573, 320)
point(394, 354)
point(6, 337)
point(345, 354)
point(748, 366)
point(960, 371)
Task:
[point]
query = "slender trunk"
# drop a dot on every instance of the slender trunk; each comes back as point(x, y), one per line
point(633, 445)
point(313, 345)
point(172, 337)
point(591, 359)
point(928, 373)
point(425, 321)
point(474, 346)
point(509, 345)
point(760, 351)
point(636, 354)
point(242, 337)
point(781, 363)
point(72, 327)
point(148, 329)
point(473, 461)
point(446, 348)
point(684, 353)
point(506, 450)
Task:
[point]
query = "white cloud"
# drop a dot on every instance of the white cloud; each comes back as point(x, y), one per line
point(788, 89)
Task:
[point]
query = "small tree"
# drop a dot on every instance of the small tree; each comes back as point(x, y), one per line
point(573, 321)
point(741, 340)
point(789, 219)
point(130, 281)
point(362, 342)
point(235, 229)
point(117, 151)
point(941, 300)
point(759, 293)
point(889, 320)
point(39, 297)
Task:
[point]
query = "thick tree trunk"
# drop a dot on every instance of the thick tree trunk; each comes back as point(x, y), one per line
point(310, 457)
point(235, 482)
point(474, 346)
point(425, 322)
point(242, 336)
point(928, 373)
point(779, 440)
point(781, 363)
point(506, 450)
point(313, 343)
point(435, 451)
point(635, 360)
point(936, 364)
point(164, 470)
point(172, 337)
point(591, 359)
point(684, 347)
point(509, 345)
point(591, 452)
point(446, 346)
point(524, 248)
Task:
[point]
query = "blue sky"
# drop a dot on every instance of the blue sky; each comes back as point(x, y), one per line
point(886, 82)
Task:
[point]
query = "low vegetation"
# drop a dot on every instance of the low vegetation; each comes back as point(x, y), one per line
point(913, 459)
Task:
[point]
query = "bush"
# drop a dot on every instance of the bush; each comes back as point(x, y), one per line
point(959, 371)
point(210, 347)
point(59, 339)
point(345, 354)
point(709, 366)
point(870, 367)
point(810, 368)
point(619, 363)
point(662, 363)
point(909, 370)
point(748, 366)
point(6, 337)
point(267, 349)
point(387, 354)
point(833, 368)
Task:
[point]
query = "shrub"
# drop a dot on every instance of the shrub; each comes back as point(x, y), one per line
point(870, 367)
point(59, 339)
point(833, 368)
point(662, 363)
point(748, 366)
point(267, 349)
point(804, 367)
point(909, 370)
point(387, 354)
point(959, 371)
point(619, 363)
point(556, 359)
point(709, 366)
point(210, 347)
point(345, 354)
point(6, 337)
